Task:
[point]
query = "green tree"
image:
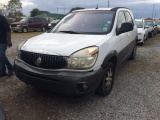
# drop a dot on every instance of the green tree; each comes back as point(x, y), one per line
point(3, 10)
point(14, 8)
point(76, 8)
point(36, 11)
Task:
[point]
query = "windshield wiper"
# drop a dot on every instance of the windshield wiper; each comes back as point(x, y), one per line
point(71, 32)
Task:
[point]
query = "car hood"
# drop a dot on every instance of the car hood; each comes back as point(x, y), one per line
point(60, 44)
point(17, 23)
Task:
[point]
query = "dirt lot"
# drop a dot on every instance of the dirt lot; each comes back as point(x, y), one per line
point(135, 96)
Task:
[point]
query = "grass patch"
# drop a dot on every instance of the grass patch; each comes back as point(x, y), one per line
point(25, 35)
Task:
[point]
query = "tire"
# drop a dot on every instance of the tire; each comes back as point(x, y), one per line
point(155, 33)
point(142, 43)
point(147, 37)
point(43, 29)
point(24, 29)
point(152, 34)
point(133, 55)
point(107, 81)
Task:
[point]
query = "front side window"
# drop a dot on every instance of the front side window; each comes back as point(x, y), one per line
point(128, 17)
point(139, 24)
point(31, 20)
point(88, 22)
point(121, 19)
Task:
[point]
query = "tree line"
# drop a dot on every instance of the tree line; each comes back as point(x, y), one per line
point(14, 10)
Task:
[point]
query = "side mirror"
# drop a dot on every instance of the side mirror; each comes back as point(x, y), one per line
point(125, 27)
point(155, 25)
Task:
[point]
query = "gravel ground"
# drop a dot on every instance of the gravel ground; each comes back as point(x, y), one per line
point(135, 95)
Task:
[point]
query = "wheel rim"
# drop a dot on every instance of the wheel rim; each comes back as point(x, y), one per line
point(109, 79)
point(43, 29)
point(24, 29)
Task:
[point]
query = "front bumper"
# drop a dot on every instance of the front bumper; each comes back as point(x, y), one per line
point(16, 28)
point(63, 82)
point(140, 38)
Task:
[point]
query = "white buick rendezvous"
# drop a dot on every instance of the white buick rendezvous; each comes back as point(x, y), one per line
point(81, 54)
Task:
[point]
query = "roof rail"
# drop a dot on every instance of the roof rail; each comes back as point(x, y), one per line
point(116, 8)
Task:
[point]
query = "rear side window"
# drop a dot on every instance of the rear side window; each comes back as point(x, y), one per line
point(128, 17)
point(37, 20)
point(121, 19)
point(43, 20)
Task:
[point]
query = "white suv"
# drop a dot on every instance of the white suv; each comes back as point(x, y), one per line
point(81, 53)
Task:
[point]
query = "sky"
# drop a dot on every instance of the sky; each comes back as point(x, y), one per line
point(140, 8)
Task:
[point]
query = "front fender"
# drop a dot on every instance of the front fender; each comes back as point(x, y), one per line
point(108, 57)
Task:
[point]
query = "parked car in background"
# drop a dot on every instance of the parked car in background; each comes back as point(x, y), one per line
point(30, 24)
point(81, 54)
point(53, 23)
point(142, 31)
point(158, 25)
point(155, 27)
point(150, 25)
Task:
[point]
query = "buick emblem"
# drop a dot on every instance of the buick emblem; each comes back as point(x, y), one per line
point(38, 61)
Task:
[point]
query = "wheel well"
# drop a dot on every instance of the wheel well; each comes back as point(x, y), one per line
point(43, 26)
point(25, 26)
point(113, 60)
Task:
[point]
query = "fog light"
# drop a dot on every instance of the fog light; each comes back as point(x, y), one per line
point(82, 87)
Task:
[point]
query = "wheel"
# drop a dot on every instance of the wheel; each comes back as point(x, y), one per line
point(147, 37)
point(142, 43)
point(107, 81)
point(24, 29)
point(133, 55)
point(43, 29)
point(151, 34)
point(155, 33)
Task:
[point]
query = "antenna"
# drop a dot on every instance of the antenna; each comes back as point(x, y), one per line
point(97, 6)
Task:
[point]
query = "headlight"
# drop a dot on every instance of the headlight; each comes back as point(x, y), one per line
point(83, 59)
point(19, 48)
point(49, 24)
point(18, 25)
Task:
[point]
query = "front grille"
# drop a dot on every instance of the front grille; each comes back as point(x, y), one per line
point(43, 60)
point(13, 25)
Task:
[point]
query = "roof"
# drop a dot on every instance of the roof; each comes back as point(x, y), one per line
point(50, 15)
point(100, 9)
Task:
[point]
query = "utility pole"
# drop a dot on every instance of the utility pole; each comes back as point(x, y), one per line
point(108, 3)
point(153, 11)
point(57, 12)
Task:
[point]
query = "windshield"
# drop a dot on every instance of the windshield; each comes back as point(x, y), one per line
point(24, 20)
point(139, 24)
point(55, 21)
point(88, 22)
point(149, 23)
